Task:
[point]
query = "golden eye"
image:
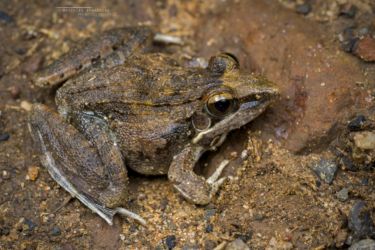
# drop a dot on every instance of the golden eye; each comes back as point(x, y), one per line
point(221, 104)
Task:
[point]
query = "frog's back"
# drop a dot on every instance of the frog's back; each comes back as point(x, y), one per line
point(145, 80)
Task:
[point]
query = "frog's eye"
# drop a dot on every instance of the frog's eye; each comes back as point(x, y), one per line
point(220, 105)
point(224, 62)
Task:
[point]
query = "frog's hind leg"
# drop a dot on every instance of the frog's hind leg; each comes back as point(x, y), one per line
point(107, 49)
point(92, 171)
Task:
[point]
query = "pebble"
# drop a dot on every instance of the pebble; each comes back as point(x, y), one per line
point(303, 9)
point(15, 92)
point(365, 49)
point(209, 213)
point(325, 170)
point(4, 17)
point(343, 195)
point(56, 231)
point(170, 241)
point(4, 231)
point(357, 123)
point(274, 245)
point(4, 137)
point(365, 140)
point(26, 105)
point(348, 10)
point(348, 40)
point(237, 244)
point(5, 175)
point(28, 227)
point(32, 173)
point(209, 228)
point(367, 244)
point(360, 221)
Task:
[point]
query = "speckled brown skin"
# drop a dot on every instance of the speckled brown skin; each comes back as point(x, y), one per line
point(140, 113)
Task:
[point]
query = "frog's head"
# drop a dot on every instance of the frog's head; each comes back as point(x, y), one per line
point(234, 102)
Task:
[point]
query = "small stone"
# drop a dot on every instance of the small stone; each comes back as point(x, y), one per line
point(348, 10)
point(14, 92)
point(343, 194)
point(4, 231)
point(367, 244)
point(357, 123)
point(170, 241)
point(365, 140)
point(26, 105)
point(4, 137)
point(275, 244)
point(360, 222)
point(325, 170)
point(56, 231)
point(209, 213)
point(303, 9)
point(209, 228)
point(32, 173)
point(5, 175)
point(365, 49)
point(348, 39)
point(237, 244)
point(28, 227)
point(4, 17)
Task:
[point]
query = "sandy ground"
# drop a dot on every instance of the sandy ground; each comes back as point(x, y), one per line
point(274, 199)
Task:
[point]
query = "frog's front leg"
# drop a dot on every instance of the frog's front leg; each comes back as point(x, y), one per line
point(91, 170)
point(193, 187)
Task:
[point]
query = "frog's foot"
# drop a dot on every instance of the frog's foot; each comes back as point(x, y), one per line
point(92, 171)
point(192, 187)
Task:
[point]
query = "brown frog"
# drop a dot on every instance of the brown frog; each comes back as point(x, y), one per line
point(122, 106)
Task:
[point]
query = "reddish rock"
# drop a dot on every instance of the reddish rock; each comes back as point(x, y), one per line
point(365, 49)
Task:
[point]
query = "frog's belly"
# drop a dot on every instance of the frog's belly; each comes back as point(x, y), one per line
point(141, 162)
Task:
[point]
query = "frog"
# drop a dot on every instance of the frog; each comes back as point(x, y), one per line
point(122, 105)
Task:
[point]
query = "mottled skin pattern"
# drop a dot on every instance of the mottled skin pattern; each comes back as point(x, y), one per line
point(139, 110)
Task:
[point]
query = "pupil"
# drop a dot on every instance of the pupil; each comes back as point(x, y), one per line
point(222, 105)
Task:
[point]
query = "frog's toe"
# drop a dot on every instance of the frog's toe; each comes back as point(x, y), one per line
point(200, 191)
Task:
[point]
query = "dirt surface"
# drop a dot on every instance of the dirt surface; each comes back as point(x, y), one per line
point(298, 171)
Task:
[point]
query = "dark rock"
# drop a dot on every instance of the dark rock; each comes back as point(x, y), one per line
point(4, 17)
point(209, 213)
point(367, 244)
point(4, 137)
point(170, 241)
point(56, 231)
point(364, 181)
point(357, 123)
point(325, 169)
point(303, 9)
point(237, 244)
point(348, 10)
point(349, 45)
point(343, 194)
point(20, 51)
point(348, 39)
point(4, 231)
point(28, 227)
point(209, 228)
point(360, 222)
